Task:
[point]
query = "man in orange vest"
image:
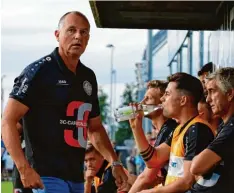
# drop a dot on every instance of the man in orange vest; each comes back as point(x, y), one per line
point(98, 174)
point(190, 137)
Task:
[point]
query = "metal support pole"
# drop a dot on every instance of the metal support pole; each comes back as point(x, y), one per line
point(181, 59)
point(209, 47)
point(201, 49)
point(147, 124)
point(114, 100)
point(178, 61)
point(190, 52)
point(170, 67)
point(111, 88)
point(149, 54)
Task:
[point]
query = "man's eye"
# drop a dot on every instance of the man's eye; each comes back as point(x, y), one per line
point(84, 32)
point(71, 30)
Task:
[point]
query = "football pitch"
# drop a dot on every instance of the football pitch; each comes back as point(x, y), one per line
point(7, 187)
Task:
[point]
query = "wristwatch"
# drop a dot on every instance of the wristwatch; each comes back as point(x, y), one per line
point(116, 163)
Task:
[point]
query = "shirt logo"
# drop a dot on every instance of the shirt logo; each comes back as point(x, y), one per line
point(62, 82)
point(174, 164)
point(87, 87)
point(23, 88)
point(48, 58)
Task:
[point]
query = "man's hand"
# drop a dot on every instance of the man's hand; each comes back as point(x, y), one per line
point(120, 177)
point(137, 122)
point(30, 178)
point(89, 174)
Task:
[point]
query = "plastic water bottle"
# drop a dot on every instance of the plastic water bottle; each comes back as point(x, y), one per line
point(130, 112)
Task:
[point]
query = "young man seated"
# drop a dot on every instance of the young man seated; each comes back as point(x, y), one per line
point(98, 173)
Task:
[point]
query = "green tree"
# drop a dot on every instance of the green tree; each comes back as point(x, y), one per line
point(103, 105)
point(124, 130)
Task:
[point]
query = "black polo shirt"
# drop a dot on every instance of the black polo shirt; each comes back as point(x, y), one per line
point(60, 105)
point(220, 178)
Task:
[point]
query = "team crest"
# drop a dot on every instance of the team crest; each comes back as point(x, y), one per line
point(87, 87)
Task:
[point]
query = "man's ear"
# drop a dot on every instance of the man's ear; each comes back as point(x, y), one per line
point(183, 100)
point(230, 95)
point(56, 33)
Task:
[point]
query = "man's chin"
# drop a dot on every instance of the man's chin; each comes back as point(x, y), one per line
point(165, 114)
point(75, 53)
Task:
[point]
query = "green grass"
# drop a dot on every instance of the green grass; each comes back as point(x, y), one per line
point(7, 187)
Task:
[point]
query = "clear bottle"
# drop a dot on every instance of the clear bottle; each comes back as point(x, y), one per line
point(130, 112)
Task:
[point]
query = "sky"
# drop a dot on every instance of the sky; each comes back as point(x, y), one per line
point(27, 34)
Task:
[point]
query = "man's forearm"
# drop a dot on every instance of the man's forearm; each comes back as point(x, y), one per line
point(101, 142)
point(141, 141)
point(139, 184)
point(145, 180)
point(143, 145)
point(87, 187)
point(11, 140)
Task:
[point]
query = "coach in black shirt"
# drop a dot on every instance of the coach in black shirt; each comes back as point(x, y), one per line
point(57, 98)
point(215, 163)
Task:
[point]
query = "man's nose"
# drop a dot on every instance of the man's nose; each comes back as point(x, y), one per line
point(78, 35)
point(162, 98)
point(208, 98)
point(88, 164)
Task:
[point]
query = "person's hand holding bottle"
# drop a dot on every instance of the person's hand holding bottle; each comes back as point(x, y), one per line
point(137, 121)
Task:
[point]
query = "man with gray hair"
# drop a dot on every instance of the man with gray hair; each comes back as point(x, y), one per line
point(214, 165)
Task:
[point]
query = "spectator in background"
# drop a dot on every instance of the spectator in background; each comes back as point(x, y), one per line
point(140, 164)
point(4, 172)
point(9, 164)
point(214, 165)
point(3, 148)
point(205, 70)
point(131, 162)
point(206, 113)
point(98, 173)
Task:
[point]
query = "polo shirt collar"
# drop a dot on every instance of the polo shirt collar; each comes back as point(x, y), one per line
point(62, 65)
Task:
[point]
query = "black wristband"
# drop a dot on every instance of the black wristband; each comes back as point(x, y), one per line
point(146, 151)
point(149, 157)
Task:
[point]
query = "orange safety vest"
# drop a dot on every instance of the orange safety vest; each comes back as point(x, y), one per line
point(176, 162)
point(97, 180)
